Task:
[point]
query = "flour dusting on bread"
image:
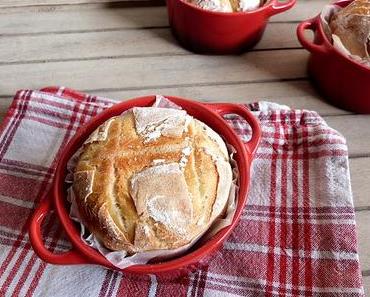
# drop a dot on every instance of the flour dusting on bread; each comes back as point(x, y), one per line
point(161, 193)
point(154, 122)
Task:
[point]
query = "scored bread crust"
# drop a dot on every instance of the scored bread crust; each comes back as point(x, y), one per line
point(139, 194)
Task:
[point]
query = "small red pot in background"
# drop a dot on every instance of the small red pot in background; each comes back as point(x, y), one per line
point(341, 80)
point(213, 32)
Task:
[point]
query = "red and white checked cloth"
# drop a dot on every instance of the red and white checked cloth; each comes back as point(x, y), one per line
point(296, 236)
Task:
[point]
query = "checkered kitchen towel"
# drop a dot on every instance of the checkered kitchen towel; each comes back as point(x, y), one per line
point(296, 236)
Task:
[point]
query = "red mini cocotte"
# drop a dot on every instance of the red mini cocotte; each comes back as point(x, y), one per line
point(215, 32)
point(342, 80)
point(81, 253)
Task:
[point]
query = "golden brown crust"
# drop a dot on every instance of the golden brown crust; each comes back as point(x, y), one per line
point(133, 194)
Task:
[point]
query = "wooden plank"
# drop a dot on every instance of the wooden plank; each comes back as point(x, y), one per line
point(303, 10)
point(366, 282)
point(279, 35)
point(84, 18)
point(360, 181)
point(88, 45)
point(4, 105)
point(116, 43)
point(355, 129)
point(12, 3)
point(160, 71)
point(53, 19)
point(363, 233)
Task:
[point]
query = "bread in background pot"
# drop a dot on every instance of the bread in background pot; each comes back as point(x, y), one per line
point(350, 27)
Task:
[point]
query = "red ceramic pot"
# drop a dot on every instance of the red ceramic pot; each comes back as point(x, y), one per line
point(207, 31)
point(341, 80)
point(211, 114)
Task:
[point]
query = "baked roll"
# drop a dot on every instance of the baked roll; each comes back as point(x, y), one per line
point(350, 27)
point(152, 178)
point(227, 5)
point(214, 5)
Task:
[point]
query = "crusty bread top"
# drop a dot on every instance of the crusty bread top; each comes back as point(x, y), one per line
point(213, 5)
point(228, 5)
point(152, 178)
point(352, 25)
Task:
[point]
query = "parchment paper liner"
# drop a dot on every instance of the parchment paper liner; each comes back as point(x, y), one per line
point(120, 258)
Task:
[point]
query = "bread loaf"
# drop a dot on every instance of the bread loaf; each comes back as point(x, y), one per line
point(227, 5)
point(152, 178)
point(350, 27)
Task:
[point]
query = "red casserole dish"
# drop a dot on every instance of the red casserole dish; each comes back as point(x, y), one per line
point(81, 253)
point(207, 31)
point(341, 80)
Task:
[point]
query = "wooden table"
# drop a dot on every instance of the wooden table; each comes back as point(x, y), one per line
point(116, 50)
